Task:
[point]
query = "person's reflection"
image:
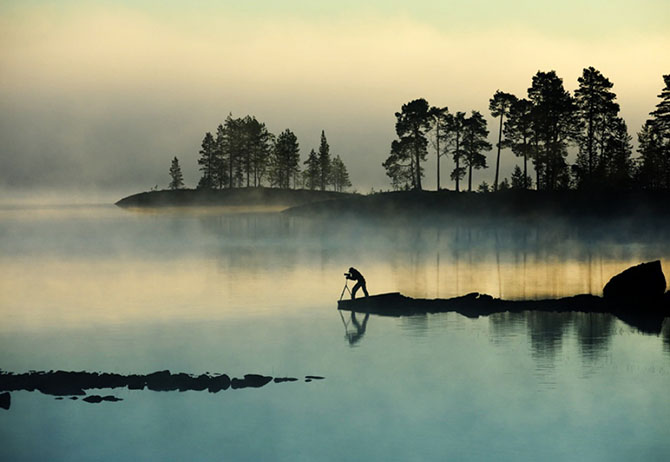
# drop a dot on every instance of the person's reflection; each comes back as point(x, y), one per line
point(355, 336)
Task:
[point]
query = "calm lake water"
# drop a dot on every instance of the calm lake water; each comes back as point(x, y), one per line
point(98, 288)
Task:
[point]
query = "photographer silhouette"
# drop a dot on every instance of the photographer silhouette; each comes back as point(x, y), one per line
point(354, 275)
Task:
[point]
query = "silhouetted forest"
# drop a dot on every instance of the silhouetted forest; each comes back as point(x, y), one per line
point(243, 153)
point(540, 129)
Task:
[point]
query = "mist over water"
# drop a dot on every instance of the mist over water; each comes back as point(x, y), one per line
point(98, 288)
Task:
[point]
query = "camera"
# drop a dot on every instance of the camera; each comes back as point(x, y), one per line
point(347, 275)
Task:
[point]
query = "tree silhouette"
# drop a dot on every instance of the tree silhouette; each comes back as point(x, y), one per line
point(207, 162)
point(653, 160)
point(177, 181)
point(220, 176)
point(455, 129)
point(597, 111)
point(413, 121)
point(555, 124)
point(313, 171)
point(400, 165)
point(286, 159)
point(474, 142)
point(616, 163)
point(519, 134)
point(259, 143)
point(324, 162)
point(440, 127)
point(519, 180)
point(500, 105)
point(339, 176)
point(654, 145)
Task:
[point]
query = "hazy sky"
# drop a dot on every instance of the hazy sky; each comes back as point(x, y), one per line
point(102, 94)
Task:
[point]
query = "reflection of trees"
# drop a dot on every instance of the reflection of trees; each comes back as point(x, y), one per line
point(594, 333)
point(546, 332)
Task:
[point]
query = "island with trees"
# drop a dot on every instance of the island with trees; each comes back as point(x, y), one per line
point(574, 149)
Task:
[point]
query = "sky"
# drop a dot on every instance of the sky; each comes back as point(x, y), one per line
point(98, 96)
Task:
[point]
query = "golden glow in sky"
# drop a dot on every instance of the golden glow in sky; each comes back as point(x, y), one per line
point(97, 86)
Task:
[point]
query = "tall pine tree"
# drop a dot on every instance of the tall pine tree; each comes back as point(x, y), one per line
point(596, 110)
point(207, 162)
point(412, 123)
point(475, 141)
point(500, 105)
point(324, 162)
point(312, 173)
point(177, 179)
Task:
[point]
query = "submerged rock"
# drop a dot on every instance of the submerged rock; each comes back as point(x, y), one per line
point(641, 287)
point(5, 400)
point(250, 381)
point(98, 399)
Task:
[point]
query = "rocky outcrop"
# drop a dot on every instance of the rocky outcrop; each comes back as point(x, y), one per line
point(5, 400)
point(640, 287)
point(62, 383)
point(99, 399)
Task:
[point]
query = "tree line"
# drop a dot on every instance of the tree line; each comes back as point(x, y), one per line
point(243, 153)
point(538, 129)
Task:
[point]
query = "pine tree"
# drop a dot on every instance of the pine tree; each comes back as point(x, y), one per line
point(616, 164)
point(399, 166)
point(519, 134)
point(286, 159)
point(654, 145)
point(652, 162)
point(412, 123)
point(324, 162)
point(483, 187)
point(177, 181)
point(474, 142)
point(220, 177)
point(500, 105)
point(555, 124)
point(518, 180)
point(207, 162)
point(596, 110)
point(440, 128)
point(313, 171)
point(340, 176)
point(455, 129)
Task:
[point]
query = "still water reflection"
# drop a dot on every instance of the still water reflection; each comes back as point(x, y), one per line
point(102, 289)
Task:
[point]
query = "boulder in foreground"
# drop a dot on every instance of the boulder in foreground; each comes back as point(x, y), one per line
point(642, 285)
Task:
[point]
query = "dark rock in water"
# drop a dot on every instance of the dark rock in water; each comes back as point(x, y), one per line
point(314, 377)
point(251, 381)
point(74, 398)
point(5, 400)
point(640, 287)
point(218, 383)
point(135, 382)
point(98, 399)
point(285, 379)
point(58, 398)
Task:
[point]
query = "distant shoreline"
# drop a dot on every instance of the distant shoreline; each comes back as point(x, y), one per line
point(410, 204)
point(510, 204)
point(235, 197)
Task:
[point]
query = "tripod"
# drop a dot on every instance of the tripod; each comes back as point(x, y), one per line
point(346, 287)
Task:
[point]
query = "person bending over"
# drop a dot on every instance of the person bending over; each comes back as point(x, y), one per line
point(354, 275)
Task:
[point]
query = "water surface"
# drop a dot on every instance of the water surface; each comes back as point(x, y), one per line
point(98, 288)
